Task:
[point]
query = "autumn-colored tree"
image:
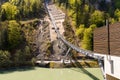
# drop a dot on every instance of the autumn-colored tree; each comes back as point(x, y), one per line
point(87, 41)
point(97, 18)
point(9, 11)
point(117, 14)
point(80, 31)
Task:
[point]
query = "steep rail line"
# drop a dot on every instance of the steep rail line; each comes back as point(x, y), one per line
point(99, 57)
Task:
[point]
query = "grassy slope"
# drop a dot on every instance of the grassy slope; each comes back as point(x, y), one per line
point(53, 74)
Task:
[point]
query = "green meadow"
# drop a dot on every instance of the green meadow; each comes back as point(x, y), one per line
point(52, 74)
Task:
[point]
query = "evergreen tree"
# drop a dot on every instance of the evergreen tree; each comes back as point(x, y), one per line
point(4, 59)
point(14, 34)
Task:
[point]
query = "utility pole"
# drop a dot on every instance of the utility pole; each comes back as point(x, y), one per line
point(108, 36)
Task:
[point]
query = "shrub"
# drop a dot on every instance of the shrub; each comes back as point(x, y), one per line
point(51, 64)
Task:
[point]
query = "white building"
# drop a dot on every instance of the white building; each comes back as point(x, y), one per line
point(109, 46)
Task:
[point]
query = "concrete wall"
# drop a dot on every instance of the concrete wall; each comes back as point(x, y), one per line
point(108, 65)
point(116, 66)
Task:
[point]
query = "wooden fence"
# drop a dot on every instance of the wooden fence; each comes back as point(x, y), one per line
point(101, 39)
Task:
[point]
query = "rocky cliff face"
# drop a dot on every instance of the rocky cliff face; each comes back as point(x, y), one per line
point(48, 50)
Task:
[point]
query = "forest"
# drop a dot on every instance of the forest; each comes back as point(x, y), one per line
point(17, 31)
point(86, 15)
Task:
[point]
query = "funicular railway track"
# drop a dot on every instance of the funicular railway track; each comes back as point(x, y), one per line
point(97, 56)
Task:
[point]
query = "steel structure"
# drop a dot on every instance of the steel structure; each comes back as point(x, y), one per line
point(85, 52)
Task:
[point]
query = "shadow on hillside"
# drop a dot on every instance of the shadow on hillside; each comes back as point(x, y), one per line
point(6, 71)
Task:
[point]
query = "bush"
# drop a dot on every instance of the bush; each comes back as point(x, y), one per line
point(52, 64)
point(5, 61)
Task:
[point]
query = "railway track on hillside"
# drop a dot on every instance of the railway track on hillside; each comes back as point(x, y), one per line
point(97, 56)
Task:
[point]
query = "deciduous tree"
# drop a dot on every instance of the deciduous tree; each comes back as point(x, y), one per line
point(97, 18)
point(9, 11)
point(117, 14)
point(4, 59)
point(14, 34)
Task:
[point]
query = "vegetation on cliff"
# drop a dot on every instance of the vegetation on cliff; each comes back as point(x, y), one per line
point(85, 15)
point(18, 31)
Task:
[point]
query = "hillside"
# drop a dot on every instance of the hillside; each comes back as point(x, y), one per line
point(20, 22)
point(85, 15)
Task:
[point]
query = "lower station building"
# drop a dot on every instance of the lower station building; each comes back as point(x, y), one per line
point(107, 43)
